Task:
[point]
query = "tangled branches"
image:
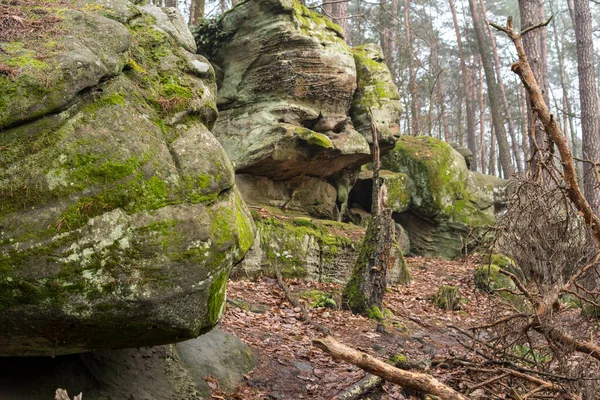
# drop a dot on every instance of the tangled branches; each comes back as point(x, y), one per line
point(538, 347)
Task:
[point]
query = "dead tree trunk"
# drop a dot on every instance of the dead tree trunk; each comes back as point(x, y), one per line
point(411, 380)
point(364, 291)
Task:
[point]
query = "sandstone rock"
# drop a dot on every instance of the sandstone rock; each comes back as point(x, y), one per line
point(119, 217)
point(309, 196)
point(310, 249)
point(450, 206)
point(397, 185)
point(153, 373)
point(376, 93)
point(288, 82)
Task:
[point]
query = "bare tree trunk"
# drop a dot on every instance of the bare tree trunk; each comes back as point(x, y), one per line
point(440, 88)
point(337, 11)
point(492, 167)
point(196, 11)
point(524, 123)
point(223, 6)
point(535, 44)
point(588, 100)
point(482, 34)
point(411, 380)
point(364, 291)
point(412, 73)
point(507, 112)
point(465, 80)
point(572, 188)
point(459, 136)
point(482, 118)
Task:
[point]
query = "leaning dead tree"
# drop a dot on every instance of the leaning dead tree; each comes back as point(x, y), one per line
point(364, 291)
point(536, 346)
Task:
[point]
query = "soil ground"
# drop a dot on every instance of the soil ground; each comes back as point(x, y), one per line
point(289, 367)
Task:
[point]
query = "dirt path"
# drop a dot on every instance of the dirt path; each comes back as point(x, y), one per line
point(290, 368)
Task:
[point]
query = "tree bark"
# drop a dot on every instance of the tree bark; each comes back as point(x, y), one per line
point(482, 119)
point(412, 73)
point(481, 32)
point(337, 11)
point(523, 69)
point(411, 380)
point(588, 100)
point(536, 48)
point(196, 11)
point(507, 113)
point(440, 88)
point(465, 80)
point(363, 294)
point(492, 166)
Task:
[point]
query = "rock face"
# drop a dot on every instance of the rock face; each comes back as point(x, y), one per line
point(311, 249)
point(154, 373)
point(290, 94)
point(449, 205)
point(119, 217)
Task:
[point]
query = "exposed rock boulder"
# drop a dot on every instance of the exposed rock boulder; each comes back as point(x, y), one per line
point(119, 217)
point(310, 249)
point(450, 206)
point(376, 93)
point(307, 195)
point(291, 90)
point(288, 82)
point(158, 373)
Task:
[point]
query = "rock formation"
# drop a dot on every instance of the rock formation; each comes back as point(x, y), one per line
point(291, 94)
point(119, 215)
point(450, 206)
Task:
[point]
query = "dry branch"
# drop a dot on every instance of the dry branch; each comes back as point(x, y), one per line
point(305, 316)
point(413, 380)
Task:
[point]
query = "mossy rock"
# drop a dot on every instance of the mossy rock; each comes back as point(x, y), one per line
point(447, 298)
point(376, 97)
point(120, 219)
point(489, 279)
point(448, 212)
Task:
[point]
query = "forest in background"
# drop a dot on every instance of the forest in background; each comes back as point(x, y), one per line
point(433, 53)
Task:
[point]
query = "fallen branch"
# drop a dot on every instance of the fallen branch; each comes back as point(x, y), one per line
point(413, 380)
point(359, 389)
point(305, 316)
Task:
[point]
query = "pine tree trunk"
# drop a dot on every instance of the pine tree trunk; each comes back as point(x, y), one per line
point(588, 99)
point(481, 33)
point(535, 43)
point(470, 101)
point(482, 119)
point(196, 11)
point(412, 73)
point(440, 89)
point(507, 113)
point(492, 166)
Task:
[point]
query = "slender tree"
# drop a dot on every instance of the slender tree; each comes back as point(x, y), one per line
point(196, 11)
point(536, 48)
point(482, 35)
point(517, 152)
point(337, 11)
point(588, 99)
point(465, 81)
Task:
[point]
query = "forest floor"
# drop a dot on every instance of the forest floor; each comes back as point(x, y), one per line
point(289, 367)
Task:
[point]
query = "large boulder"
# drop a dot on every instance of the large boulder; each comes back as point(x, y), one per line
point(176, 371)
point(450, 207)
point(290, 93)
point(376, 100)
point(288, 82)
point(119, 216)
